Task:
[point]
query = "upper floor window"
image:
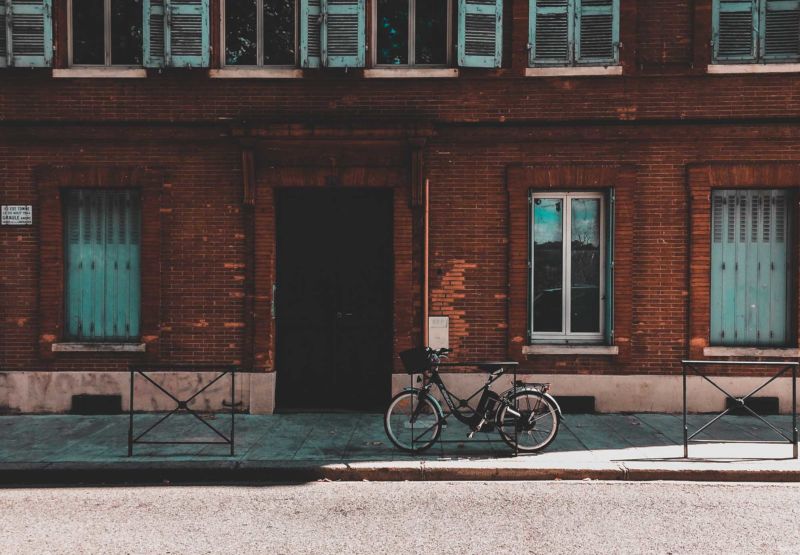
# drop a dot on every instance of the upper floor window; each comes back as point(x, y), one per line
point(413, 32)
point(259, 32)
point(574, 32)
point(106, 32)
point(756, 31)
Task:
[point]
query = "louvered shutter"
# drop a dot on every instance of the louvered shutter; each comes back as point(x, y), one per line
point(551, 31)
point(748, 268)
point(332, 33)
point(176, 33)
point(103, 298)
point(26, 33)
point(735, 30)
point(480, 33)
point(781, 30)
point(597, 31)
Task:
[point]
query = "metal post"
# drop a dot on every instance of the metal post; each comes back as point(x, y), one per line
point(794, 411)
point(685, 425)
point(233, 407)
point(130, 417)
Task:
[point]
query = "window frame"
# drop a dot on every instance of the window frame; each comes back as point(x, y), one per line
point(260, 39)
point(565, 336)
point(74, 338)
point(758, 44)
point(412, 6)
point(107, 61)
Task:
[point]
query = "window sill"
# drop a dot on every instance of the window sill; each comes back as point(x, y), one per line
point(410, 73)
point(750, 352)
point(722, 69)
point(99, 347)
point(100, 73)
point(578, 71)
point(256, 73)
point(570, 350)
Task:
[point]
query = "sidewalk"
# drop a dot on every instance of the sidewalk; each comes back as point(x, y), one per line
point(300, 447)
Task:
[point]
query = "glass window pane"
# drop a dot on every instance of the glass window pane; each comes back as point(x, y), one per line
point(279, 32)
point(392, 30)
point(126, 32)
point(431, 32)
point(585, 259)
point(87, 32)
point(241, 33)
point(548, 244)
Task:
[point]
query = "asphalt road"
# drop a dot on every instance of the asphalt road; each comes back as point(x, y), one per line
point(436, 517)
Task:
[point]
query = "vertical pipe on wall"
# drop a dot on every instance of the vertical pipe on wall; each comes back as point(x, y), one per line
point(425, 261)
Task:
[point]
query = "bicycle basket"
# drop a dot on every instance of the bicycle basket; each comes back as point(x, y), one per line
point(415, 360)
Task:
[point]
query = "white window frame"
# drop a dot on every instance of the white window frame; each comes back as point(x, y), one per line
point(412, 47)
point(106, 40)
point(260, 39)
point(566, 336)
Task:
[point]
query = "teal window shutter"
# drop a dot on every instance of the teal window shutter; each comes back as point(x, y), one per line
point(551, 32)
point(26, 33)
point(780, 35)
point(597, 32)
point(332, 33)
point(749, 280)
point(102, 251)
point(735, 30)
point(176, 33)
point(480, 33)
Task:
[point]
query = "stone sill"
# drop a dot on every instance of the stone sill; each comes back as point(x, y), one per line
point(99, 347)
point(722, 69)
point(410, 73)
point(577, 71)
point(750, 352)
point(256, 73)
point(100, 73)
point(570, 350)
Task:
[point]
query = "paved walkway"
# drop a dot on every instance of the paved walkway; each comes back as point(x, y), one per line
point(354, 446)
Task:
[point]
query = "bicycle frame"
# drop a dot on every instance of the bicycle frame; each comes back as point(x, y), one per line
point(450, 398)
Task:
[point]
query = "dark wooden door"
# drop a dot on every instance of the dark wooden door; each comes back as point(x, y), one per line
point(334, 299)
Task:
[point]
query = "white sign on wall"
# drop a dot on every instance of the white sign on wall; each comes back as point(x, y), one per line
point(438, 332)
point(17, 214)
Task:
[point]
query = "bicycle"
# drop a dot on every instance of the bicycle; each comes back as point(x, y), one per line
point(526, 416)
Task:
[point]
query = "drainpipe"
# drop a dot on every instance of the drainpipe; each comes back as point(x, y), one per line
point(425, 261)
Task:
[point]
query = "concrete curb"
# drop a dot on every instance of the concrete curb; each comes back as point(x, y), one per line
point(14, 474)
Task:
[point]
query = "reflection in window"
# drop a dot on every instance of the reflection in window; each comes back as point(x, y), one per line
point(107, 32)
point(259, 32)
point(400, 21)
point(567, 276)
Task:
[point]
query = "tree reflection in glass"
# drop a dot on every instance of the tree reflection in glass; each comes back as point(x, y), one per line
point(585, 266)
point(548, 244)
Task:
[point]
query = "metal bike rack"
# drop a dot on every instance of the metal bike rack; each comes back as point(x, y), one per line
point(739, 402)
point(182, 405)
point(480, 364)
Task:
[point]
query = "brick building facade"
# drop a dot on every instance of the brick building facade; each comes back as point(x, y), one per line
point(211, 153)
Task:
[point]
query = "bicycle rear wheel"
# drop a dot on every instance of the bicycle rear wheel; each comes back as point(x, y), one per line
point(412, 421)
point(536, 426)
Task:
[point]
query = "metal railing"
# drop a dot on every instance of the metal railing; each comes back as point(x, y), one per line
point(739, 402)
point(182, 405)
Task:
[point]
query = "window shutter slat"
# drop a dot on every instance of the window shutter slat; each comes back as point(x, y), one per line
point(176, 33)
point(782, 30)
point(735, 30)
point(551, 29)
point(26, 33)
point(310, 31)
point(480, 33)
point(343, 33)
point(597, 31)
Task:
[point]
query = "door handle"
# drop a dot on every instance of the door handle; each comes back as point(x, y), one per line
point(340, 315)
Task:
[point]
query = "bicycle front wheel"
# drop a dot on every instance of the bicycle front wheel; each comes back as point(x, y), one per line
point(528, 421)
point(412, 421)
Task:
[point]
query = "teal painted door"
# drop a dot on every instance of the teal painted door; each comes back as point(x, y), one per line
point(103, 292)
point(749, 274)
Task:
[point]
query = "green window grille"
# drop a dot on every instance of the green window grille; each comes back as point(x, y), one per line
point(756, 31)
point(102, 258)
point(749, 279)
point(573, 32)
